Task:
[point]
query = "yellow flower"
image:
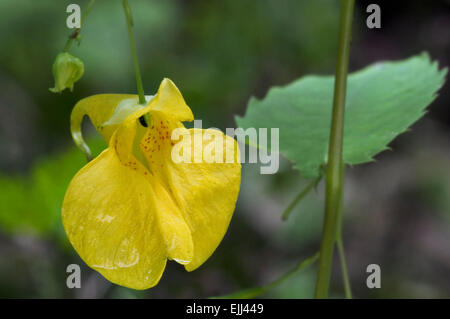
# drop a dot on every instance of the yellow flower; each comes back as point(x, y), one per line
point(132, 207)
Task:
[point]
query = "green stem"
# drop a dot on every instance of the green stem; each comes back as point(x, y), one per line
point(300, 196)
point(77, 31)
point(335, 176)
point(129, 19)
point(303, 265)
point(341, 252)
point(345, 278)
point(257, 291)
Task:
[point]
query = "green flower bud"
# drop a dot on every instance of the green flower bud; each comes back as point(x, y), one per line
point(67, 69)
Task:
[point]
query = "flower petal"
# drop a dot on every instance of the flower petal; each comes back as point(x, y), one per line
point(99, 108)
point(170, 103)
point(109, 216)
point(174, 229)
point(167, 106)
point(205, 192)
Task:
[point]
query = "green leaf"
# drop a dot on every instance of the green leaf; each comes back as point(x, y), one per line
point(383, 100)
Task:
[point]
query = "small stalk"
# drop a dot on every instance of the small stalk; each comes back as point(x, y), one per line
point(257, 291)
point(77, 31)
point(345, 278)
point(341, 252)
point(334, 173)
point(300, 196)
point(129, 18)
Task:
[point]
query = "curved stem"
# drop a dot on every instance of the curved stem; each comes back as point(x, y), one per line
point(342, 259)
point(300, 196)
point(341, 252)
point(335, 176)
point(257, 291)
point(345, 278)
point(129, 19)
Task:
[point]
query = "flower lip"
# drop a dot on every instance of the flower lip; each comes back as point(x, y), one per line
point(126, 108)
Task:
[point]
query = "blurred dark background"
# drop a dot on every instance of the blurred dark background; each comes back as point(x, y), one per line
point(219, 53)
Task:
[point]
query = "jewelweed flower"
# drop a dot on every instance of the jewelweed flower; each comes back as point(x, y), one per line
point(67, 69)
point(132, 208)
